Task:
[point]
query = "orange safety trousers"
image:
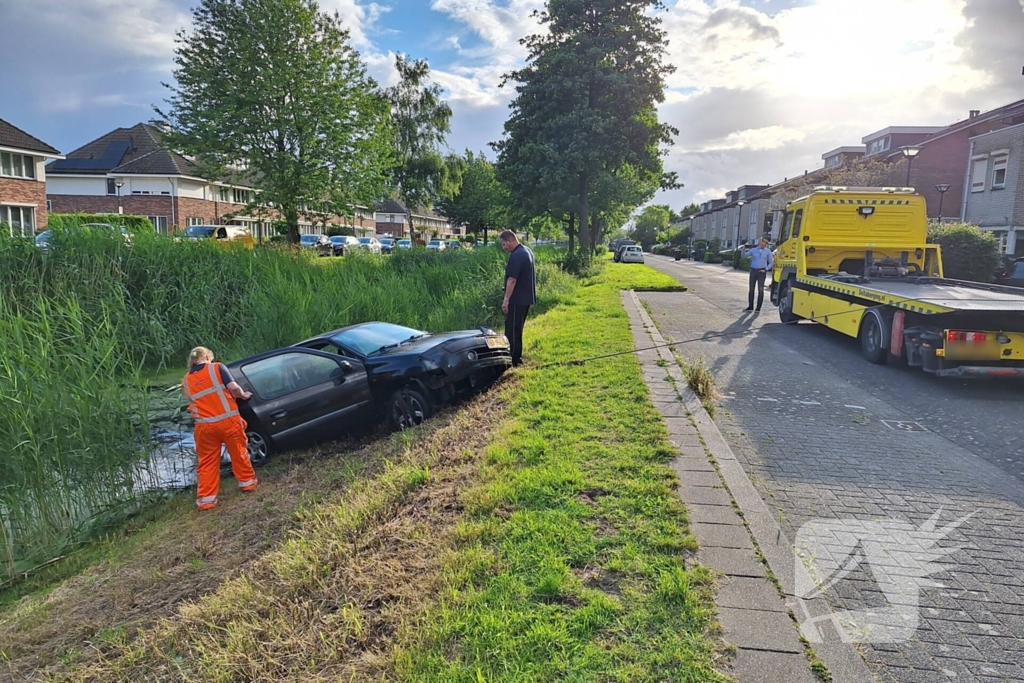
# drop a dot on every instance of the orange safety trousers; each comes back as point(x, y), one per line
point(209, 439)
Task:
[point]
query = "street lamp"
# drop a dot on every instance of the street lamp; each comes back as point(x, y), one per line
point(119, 184)
point(943, 188)
point(910, 153)
point(739, 213)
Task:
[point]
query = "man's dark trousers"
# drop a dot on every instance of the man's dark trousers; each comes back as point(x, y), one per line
point(515, 320)
point(756, 278)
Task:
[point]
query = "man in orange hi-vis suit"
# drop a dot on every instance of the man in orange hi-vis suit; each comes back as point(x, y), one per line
point(212, 394)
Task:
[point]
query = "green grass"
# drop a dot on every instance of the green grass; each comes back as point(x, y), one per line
point(571, 557)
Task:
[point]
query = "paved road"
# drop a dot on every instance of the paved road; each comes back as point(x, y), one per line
point(808, 417)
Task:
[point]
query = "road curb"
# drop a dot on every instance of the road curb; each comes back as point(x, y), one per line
point(843, 660)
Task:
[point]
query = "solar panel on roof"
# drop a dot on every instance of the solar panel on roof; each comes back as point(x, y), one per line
point(111, 158)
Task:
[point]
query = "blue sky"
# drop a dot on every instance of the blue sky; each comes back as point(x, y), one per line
point(762, 87)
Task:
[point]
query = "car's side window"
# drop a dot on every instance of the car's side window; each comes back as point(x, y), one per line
point(1018, 273)
point(279, 376)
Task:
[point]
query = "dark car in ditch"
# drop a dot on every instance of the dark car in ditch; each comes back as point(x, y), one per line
point(369, 372)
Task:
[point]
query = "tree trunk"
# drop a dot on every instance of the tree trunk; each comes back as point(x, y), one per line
point(584, 218)
point(412, 231)
point(595, 233)
point(291, 218)
point(571, 230)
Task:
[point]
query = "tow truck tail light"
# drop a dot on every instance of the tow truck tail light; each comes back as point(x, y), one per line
point(959, 335)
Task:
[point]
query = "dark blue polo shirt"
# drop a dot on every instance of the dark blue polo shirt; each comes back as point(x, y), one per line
point(521, 266)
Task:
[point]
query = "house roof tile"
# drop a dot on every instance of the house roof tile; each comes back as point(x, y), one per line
point(15, 138)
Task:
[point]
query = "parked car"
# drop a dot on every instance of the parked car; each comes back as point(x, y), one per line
point(321, 243)
point(437, 245)
point(455, 244)
point(404, 244)
point(42, 240)
point(223, 234)
point(631, 254)
point(340, 243)
point(370, 244)
point(373, 371)
point(619, 246)
point(1014, 274)
point(387, 244)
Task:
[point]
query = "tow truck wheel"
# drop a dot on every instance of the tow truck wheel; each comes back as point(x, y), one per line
point(786, 314)
point(871, 340)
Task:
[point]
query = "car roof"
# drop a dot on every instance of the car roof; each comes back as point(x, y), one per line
point(338, 331)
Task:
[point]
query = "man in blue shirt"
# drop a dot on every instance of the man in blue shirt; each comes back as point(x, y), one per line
point(761, 261)
point(520, 291)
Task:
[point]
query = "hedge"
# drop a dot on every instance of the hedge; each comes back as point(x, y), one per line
point(968, 253)
point(63, 221)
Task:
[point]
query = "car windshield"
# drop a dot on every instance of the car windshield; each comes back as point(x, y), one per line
point(386, 241)
point(338, 239)
point(310, 239)
point(365, 240)
point(435, 243)
point(371, 338)
point(43, 237)
point(199, 231)
point(404, 243)
point(1018, 272)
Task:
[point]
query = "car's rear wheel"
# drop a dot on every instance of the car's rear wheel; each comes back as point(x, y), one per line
point(407, 408)
point(260, 447)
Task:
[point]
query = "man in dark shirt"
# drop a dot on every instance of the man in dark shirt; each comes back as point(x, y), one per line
point(520, 291)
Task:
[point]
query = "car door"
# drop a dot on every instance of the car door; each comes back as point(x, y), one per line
point(304, 393)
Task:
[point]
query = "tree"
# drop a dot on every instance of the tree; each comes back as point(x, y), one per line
point(689, 210)
point(271, 91)
point(586, 106)
point(652, 221)
point(481, 202)
point(422, 122)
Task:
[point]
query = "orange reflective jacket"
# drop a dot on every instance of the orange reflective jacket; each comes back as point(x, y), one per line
point(209, 399)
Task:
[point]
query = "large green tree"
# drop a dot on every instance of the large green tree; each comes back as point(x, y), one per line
point(481, 203)
point(422, 121)
point(272, 91)
point(651, 222)
point(586, 106)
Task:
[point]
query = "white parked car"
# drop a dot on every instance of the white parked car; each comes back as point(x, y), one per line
point(403, 244)
point(437, 245)
point(370, 244)
point(632, 254)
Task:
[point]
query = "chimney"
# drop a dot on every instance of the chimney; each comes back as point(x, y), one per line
point(974, 113)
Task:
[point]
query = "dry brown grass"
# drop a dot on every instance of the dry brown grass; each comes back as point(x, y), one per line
point(273, 585)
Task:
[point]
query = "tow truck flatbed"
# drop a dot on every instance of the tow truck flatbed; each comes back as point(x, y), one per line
point(927, 295)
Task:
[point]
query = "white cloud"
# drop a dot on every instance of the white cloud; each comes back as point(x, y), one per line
point(769, 137)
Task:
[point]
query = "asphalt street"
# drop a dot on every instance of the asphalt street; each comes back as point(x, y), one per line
point(834, 443)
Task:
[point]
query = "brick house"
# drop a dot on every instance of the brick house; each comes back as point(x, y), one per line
point(393, 219)
point(841, 156)
point(943, 157)
point(23, 180)
point(994, 198)
point(128, 170)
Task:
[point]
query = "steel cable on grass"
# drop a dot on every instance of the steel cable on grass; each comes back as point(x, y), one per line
point(720, 335)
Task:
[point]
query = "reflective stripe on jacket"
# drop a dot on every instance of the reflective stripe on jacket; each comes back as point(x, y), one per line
point(209, 399)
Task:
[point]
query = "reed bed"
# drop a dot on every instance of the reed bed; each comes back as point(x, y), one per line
point(82, 324)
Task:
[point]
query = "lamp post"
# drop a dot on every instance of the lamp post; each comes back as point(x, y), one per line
point(943, 188)
point(119, 184)
point(739, 214)
point(910, 153)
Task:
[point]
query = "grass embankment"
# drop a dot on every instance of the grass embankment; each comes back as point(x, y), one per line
point(81, 322)
point(535, 537)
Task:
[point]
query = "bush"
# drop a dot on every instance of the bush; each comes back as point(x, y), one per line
point(968, 253)
point(572, 262)
point(744, 263)
point(712, 257)
point(737, 257)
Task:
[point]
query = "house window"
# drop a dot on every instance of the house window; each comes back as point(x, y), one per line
point(49, 206)
point(20, 220)
point(159, 224)
point(17, 165)
point(999, 172)
point(111, 186)
point(189, 222)
point(223, 194)
point(978, 173)
point(240, 196)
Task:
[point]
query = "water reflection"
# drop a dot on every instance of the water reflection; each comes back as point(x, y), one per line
point(172, 459)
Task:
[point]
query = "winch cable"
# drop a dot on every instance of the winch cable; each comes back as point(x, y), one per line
point(738, 334)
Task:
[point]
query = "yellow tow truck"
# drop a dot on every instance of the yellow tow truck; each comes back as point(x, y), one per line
point(857, 260)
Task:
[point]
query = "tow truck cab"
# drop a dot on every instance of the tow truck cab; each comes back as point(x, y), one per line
point(857, 260)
